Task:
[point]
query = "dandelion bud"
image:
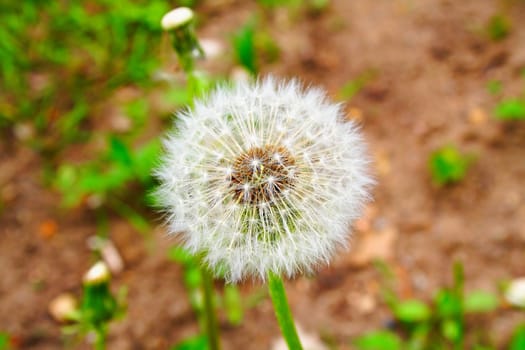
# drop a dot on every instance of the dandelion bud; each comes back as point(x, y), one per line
point(264, 178)
point(97, 274)
point(98, 304)
point(177, 18)
point(179, 22)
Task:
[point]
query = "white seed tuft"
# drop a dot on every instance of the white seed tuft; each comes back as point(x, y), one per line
point(290, 180)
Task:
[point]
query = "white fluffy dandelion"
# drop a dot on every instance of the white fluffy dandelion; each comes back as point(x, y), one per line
point(264, 178)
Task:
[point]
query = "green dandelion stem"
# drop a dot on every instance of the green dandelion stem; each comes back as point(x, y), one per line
point(282, 311)
point(210, 318)
point(100, 338)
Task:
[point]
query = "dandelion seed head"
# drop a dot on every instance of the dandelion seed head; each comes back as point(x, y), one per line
point(264, 177)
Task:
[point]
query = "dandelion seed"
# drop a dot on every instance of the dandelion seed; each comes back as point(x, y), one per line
point(291, 178)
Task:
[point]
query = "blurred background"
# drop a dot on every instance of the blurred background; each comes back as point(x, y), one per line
point(88, 87)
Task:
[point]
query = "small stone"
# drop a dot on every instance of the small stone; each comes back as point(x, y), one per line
point(212, 47)
point(24, 131)
point(515, 293)
point(61, 307)
point(109, 252)
point(363, 303)
point(120, 123)
point(477, 116)
point(94, 201)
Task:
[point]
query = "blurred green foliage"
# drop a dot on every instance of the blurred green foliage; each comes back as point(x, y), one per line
point(312, 5)
point(498, 27)
point(244, 45)
point(510, 109)
point(230, 301)
point(494, 87)
point(98, 308)
point(61, 63)
point(253, 45)
point(518, 338)
point(4, 341)
point(448, 165)
point(379, 340)
point(108, 174)
point(352, 87)
point(441, 324)
point(198, 342)
point(59, 57)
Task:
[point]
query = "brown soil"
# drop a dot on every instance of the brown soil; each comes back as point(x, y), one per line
point(430, 62)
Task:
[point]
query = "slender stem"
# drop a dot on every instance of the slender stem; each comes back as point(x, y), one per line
point(282, 311)
point(184, 43)
point(100, 339)
point(209, 309)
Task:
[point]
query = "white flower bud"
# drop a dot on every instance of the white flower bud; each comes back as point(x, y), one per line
point(177, 18)
point(98, 273)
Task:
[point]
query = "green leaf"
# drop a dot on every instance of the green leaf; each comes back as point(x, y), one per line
point(198, 342)
point(192, 277)
point(480, 301)
point(180, 255)
point(352, 87)
point(137, 110)
point(448, 165)
point(418, 336)
point(4, 341)
point(412, 311)
point(448, 303)
point(119, 152)
point(379, 340)
point(199, 84)
point(512, 109)
point(66, 182)
point(244, 45)
point(233, 304)
point(498, 27)
point(178, 96)
point(69, 122)
point(145, 159)
point(518, 338)
point(451, 329)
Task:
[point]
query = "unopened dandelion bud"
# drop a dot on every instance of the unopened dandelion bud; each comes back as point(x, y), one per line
point(264, 178)
point(177, 18)
point(98, 304)
point(97, 274)
point(179, 22)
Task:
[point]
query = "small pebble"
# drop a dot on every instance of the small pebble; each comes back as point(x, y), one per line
point(515, 293)
point(62, 306)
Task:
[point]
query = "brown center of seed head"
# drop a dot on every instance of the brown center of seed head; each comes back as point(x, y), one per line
point(262, 174)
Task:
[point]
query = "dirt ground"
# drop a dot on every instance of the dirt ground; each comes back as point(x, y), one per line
point(431, 62)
